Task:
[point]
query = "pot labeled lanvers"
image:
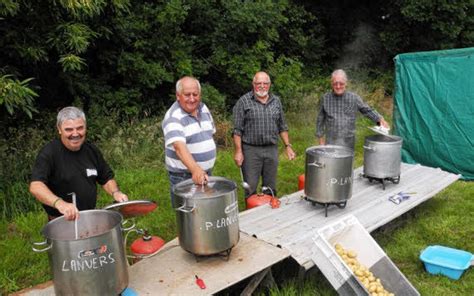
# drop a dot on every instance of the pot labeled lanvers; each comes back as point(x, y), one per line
point(94, 263)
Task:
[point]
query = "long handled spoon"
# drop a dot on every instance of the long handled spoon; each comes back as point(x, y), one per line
point(75, 220)
point(244, 184)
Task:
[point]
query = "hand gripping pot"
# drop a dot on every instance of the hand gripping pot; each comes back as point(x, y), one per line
point(328, 173)
point(93, 264)
point(207, 215)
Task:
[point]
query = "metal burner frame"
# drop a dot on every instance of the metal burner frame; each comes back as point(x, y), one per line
point(224, 254)
point(394, 180)
point(340, 205)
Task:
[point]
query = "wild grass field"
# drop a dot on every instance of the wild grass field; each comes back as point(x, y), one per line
point(135, 152)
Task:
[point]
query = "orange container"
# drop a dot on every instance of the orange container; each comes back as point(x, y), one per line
point(301, 182)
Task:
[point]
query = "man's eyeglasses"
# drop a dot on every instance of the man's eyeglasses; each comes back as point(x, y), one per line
point(337, 83)
point(262, 83)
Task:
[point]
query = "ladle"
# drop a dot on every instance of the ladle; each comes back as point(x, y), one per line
point(75, 220)
point(245, 185)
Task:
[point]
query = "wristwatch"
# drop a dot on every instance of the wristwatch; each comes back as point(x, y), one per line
point(289, 145)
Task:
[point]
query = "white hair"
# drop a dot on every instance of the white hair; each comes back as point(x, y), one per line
point(67, 113)
point(179, 84)
point(339, 72)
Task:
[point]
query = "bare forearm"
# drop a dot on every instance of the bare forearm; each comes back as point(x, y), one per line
point(112, 188)
point(186, 157)
point(238, 154)
point(42, 193)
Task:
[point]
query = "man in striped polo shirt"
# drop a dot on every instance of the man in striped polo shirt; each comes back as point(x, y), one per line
point(188, 129)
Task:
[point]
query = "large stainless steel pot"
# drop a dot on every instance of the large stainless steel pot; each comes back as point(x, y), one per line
point(93, 264)
point(382, 156)
point(328, 174)
point(207, 216)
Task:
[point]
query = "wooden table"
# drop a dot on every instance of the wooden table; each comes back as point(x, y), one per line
point(172, 271)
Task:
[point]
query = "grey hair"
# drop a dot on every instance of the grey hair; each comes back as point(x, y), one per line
point(339, 72)
point(261, 72)
point(67, 113)
point(179, 84)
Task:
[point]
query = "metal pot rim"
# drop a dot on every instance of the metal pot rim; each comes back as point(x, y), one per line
point(61, 219)
point(313, 150)
point(386, 140)
point(212, 179)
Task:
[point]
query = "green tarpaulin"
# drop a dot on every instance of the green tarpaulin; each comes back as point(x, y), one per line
point(434, 109)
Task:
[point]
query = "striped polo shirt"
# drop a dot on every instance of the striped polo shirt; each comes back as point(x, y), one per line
point(196, 133)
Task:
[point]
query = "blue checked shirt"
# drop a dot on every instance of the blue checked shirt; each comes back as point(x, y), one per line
point(337, 115)
point(259, 124)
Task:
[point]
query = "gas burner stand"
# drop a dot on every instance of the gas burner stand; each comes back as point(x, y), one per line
point(394, 180)
point(224, 255)
point(340, 205)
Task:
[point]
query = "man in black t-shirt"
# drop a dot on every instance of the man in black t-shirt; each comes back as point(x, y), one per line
point(71, 165)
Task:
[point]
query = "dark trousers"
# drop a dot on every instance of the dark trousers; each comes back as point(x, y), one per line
point(260, 161)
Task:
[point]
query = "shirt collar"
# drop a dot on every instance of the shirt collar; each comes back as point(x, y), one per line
point(270, 98)
point(199, 110)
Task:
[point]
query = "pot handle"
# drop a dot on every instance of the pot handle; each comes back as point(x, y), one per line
point(41, 244)
point(185, 210)
point(125, 222)
point(317, 164)
point(369, 148)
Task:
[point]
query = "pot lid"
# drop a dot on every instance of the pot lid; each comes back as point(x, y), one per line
point(215, 187)
point(133, 208)
point(384, 132)
point(331, 151)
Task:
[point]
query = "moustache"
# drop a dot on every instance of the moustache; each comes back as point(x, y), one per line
point(74, 138)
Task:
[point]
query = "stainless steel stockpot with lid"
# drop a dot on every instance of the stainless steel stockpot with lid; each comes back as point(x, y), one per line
point(328, 173)
point(382, 156)
point(207, 215)
point(92, 264)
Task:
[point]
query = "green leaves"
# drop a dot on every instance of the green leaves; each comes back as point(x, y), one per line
point(72, 37)
point(71, 62)
point(16, 95)
point(9, 7)
point(82, 8)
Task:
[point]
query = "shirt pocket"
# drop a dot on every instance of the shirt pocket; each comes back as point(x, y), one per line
point(274, 112)
point(350, 109)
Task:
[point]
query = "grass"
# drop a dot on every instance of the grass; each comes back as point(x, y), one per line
point(135, 152)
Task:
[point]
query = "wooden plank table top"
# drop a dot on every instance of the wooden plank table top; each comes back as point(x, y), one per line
point(293, 224)
point(172, 271)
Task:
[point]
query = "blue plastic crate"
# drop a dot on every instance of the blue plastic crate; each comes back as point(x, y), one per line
point(446, 261)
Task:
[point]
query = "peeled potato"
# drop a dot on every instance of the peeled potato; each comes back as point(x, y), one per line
point(365, 276)
point(351, 254)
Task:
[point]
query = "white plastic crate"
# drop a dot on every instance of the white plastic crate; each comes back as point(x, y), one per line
point(352, 235)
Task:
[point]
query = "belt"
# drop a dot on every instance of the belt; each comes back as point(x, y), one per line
point(263, 145)
point(180, 174)
point(185, 174)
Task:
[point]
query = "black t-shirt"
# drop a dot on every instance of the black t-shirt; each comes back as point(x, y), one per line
point(65, 171)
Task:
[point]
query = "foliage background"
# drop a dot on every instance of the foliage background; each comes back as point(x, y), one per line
point(124, 56)
point(119, 61)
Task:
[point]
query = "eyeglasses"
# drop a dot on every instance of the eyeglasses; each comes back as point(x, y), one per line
point(262, 83)
point(338, 83)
